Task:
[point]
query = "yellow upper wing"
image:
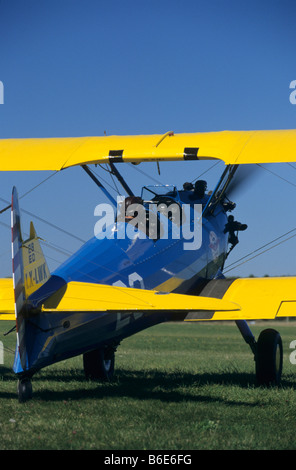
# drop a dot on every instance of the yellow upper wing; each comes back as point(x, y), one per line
point(232, 147)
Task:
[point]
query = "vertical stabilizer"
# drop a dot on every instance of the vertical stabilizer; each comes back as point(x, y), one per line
point(30, 271)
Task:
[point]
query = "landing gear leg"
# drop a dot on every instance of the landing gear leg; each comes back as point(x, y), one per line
point(268, 353)
point(99, 364)
point(247, 334)
point(24, 389)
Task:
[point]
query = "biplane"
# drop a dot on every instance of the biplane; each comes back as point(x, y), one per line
point(115, 286)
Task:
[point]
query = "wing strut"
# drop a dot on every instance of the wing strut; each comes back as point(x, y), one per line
point(99, 184)
point(115, 172)
point(219, 192)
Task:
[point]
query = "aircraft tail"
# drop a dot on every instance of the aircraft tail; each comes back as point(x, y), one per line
point(30, 272)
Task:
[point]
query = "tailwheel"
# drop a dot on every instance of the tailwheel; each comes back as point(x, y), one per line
point(269, 358)
point(24, 390)
point(99, 364)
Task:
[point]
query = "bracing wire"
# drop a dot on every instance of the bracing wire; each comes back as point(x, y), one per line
point(51, 245)
point(47, 222)
point(206, 171)
point(145, 174)
point(258, 251)
point(278, 176)
point(235, 264)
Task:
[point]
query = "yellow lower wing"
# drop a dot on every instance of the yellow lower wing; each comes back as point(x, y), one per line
point(241, 299)
point(258, 298)
point(6, 300)
point(80, 296)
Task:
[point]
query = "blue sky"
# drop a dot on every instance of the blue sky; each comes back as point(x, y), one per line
point(76, 68)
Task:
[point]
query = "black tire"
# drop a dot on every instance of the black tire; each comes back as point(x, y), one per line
point(99, 364)
point(269, 358)
point(24, 390)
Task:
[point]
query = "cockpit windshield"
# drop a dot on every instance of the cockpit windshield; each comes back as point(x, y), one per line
point(149, 192)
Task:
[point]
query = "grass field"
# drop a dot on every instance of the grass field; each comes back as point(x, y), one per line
point(177, 387)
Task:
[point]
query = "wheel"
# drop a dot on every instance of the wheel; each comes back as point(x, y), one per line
point(24, 390)
point(269, 360)
point(99, 364)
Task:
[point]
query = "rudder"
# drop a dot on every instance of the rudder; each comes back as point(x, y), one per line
point(30, 272)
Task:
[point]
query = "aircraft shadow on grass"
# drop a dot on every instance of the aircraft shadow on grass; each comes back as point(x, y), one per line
point(174, 387)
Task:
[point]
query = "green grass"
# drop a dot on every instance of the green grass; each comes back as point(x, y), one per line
point(177, 387)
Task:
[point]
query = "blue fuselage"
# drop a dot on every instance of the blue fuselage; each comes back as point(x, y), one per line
point(166, 264)
point(162, 263)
